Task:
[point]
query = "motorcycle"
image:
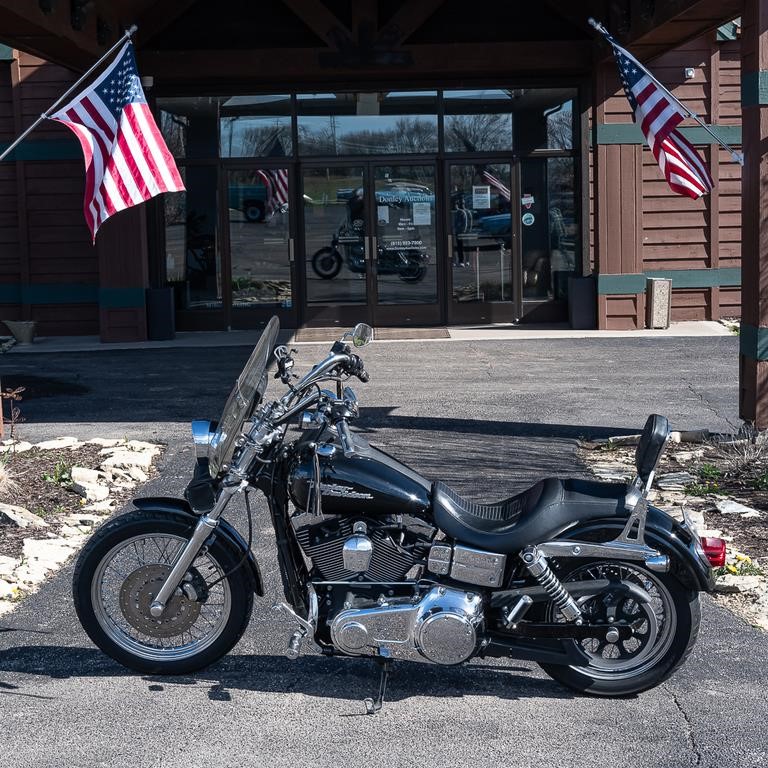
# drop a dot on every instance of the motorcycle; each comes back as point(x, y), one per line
point(408, 263)
point(585, 578)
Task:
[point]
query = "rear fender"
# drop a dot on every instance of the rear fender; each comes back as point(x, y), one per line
point(224, 531)
point(688, 562)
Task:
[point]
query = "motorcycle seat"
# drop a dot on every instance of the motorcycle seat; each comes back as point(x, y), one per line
point(540, 512)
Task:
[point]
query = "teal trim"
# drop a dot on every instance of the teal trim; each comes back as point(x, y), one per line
point(51, 149)
point(117, 298)
point(754, 88)
point(6, 53)
point(729, 31)
point(48, 293)
point(753, 342)
point(608, 285)
point(629, 133)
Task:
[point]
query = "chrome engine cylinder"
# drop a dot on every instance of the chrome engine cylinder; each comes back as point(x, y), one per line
point(538, 567)
point(358, 549)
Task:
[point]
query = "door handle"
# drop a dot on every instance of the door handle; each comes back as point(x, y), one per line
point(374, 253)
point(290, 250)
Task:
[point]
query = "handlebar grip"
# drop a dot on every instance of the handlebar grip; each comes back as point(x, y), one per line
point(363, 376)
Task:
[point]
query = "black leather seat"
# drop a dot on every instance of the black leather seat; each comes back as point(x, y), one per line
point(541, 512)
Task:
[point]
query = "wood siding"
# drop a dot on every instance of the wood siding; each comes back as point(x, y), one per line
point(44, 243)
point(677, 233)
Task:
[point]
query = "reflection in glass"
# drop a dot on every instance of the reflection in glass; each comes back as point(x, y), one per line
point(481, 236)
point(543, 118)
point(367, 123)
point(193, 265)
point(478, 121)
point(405, 234)
point(190, 125)
point(256, 126)
point(259, 237)
point(334, 235)
point(549, 231)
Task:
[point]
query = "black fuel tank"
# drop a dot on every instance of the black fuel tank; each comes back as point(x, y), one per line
point(368, 482)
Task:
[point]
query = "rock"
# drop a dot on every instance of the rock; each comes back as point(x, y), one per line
point(731, 507)
point(85, 476)
point(683, 457)
point(126, 459)
point(139, 445)
point(80, 518)
point(624, 440)
point(696, 517)
point(105, 442)
point(751, 515)
point(20, 516)
point(59, 442)
point(6, 606)
point(7, 566)
point(732, 583)
point(691, 436)
point(7, 590)
point(91, 491)
point(15, 446)
point(139, 475)
point(675, 481)
point(43, 555)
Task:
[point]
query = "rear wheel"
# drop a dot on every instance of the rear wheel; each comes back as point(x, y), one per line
point(665, 622)
point(120, 571)
point(327, 263)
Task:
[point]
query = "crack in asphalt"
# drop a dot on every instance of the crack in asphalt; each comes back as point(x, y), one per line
point(689, 735)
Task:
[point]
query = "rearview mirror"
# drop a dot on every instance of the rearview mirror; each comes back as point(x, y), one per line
point(362, 333)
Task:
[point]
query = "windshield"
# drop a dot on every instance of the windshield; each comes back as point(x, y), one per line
point(244, 398)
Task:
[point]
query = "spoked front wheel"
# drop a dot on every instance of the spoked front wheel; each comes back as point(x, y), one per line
point(664, 616)
point(120, 571)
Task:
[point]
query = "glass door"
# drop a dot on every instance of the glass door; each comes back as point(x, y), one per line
point(369, 244)
point(483, 243)
point(260, 245)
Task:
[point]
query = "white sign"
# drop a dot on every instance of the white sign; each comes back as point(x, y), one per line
point(422, 214)
point(527, 200)
point(382, 213)
point(481, 198)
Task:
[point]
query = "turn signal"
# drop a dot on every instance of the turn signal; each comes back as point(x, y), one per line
point(714, 549)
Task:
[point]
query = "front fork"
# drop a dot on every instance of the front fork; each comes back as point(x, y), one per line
point(205, 526)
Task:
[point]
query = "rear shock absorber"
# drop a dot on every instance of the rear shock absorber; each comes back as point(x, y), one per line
point(539, 568)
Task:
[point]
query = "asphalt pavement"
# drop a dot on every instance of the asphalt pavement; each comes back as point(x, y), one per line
point(490, 417)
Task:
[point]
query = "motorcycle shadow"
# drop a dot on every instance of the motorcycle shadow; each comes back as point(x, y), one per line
point(327, 678)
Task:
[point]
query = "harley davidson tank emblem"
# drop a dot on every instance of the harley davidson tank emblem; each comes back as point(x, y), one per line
point(344, 491)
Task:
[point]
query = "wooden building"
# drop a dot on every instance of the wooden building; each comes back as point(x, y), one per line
point(424, 162)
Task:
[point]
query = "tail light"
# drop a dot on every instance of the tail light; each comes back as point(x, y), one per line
point(714, 549)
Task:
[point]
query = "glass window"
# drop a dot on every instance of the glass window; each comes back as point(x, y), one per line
point(192, 261)
point(190, 126)
point(478, 121)
point(543, 118)
point(256, 126)
point(550, 230)
point(398, 122)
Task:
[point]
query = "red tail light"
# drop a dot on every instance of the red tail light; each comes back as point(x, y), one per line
point(714, 549)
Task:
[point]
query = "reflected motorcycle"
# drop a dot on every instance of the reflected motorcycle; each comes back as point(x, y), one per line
point(588, 579)
point(409, 263)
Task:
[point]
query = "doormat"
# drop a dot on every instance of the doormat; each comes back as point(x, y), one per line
point(385, 334)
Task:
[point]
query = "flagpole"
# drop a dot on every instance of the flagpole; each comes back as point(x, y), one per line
point(127, 35)
point(736, 156)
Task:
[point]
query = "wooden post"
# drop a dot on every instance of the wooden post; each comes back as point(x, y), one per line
point(753, 356)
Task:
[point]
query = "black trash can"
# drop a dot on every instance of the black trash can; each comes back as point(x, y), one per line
point(161, 324)
point(582, 303)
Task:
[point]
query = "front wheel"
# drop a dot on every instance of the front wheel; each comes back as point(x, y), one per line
point(327, 263)
point(666, 624)
point(121, 569)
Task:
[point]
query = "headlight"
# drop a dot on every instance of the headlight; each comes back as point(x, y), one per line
point(202, 434)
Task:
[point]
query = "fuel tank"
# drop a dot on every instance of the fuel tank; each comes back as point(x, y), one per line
point(367, 482)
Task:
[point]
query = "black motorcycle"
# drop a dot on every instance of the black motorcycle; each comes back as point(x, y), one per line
point(585, 578)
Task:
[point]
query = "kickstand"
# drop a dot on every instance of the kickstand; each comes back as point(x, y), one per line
point(371, 706)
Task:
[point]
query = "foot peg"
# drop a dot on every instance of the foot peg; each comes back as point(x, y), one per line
point(293, 648)
point(294, 644)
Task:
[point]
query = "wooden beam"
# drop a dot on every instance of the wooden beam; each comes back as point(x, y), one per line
point(406, 20)
point(321, 21)
point(289, 66)
point(158, 18)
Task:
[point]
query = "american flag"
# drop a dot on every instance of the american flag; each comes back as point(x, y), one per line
point(658, 113)
point(497, 184)
point(276, 182)
point(126, 159)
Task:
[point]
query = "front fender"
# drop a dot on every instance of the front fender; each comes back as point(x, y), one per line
point(688, 561)
point(224, 530)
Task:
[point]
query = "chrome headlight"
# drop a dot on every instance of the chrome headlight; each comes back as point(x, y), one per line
point(202, 435)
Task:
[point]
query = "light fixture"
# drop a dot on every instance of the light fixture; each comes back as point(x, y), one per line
point(690, 73)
